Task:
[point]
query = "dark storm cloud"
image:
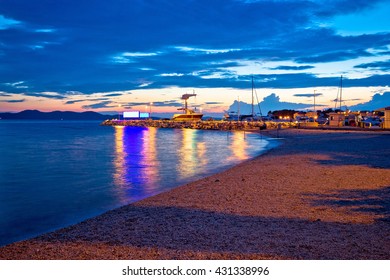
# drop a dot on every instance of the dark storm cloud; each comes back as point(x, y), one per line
point(45, 95)
point(383, 65)
point(83, 100)
point(307, 94)
point(350, 99)
point(104, 46)
point(343, 6)
point(375, 80)
point(376, 102)
point(99, 105)
point(303, 67)
point(174, 103)
point(3, 94)
point(213, 103)
point(333, 56)
point(14, 100)
point(74, 101)
point(113, 94)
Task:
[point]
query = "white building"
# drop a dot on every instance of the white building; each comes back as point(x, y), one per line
point(336, 119)
point(386, 121)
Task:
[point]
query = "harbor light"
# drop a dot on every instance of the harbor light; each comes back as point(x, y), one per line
point(119, 111)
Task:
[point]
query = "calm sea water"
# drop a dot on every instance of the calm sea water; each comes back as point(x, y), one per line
point(57, 173)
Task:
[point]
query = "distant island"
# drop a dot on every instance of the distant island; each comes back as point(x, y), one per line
point(55, 115)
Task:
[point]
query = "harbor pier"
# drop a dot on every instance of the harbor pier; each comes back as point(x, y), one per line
point(205, 125)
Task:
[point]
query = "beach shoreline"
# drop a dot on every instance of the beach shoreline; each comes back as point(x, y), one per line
point(319, 195)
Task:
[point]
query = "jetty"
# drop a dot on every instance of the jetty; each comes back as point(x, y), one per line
point(205, 125)
point(234, 125)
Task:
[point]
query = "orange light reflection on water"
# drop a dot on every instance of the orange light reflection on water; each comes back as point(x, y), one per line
point(238, 146)
point(119, 163)
point(201, 153)
point(149, 159)
point(191, 154)
point(187, 155)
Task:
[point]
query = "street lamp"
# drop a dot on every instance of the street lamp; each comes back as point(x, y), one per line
point(150, 110)
point(119, 112)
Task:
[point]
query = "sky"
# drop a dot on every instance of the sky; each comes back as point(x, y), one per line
point(111, 56)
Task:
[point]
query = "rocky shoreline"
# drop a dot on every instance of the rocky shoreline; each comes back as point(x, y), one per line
point(206, 125)
point(230, 125)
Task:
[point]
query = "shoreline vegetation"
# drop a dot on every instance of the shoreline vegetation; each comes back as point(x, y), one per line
point(322, 194)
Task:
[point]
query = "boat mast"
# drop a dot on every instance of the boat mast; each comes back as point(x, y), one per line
point(253, 115)
point(238, 108)
point(341, 90)
point(185, 98)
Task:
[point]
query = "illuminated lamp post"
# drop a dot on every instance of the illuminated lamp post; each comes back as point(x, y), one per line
point(119, 111)
point(150, 110)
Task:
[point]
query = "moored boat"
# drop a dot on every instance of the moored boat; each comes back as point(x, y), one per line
point(188, 114)
point(236, 116)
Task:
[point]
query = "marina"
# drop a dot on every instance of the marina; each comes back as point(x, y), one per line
point(203, 125)
point(254, 126)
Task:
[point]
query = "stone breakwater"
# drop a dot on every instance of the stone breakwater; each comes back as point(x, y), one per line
point(206, 125)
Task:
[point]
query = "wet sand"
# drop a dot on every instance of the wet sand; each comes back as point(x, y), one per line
point(320, 195)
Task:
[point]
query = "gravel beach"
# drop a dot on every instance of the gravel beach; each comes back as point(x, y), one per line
point(321, 194)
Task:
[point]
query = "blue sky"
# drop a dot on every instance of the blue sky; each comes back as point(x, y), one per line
point(111, 55)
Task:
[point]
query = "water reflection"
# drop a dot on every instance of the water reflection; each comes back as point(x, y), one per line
point(135, 164)
point(119, 159)
point(238, 146)
point(188, 157)
point(151, 160)
point(201, 154)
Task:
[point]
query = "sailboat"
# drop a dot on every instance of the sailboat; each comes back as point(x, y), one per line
point(233, 116)
point(340, 91)
point(188, 114)
point(338, 118)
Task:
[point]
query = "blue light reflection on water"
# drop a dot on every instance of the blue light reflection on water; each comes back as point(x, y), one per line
point(54, 174)
point(150, 160)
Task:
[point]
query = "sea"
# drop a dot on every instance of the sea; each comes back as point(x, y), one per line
point(57, 173)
